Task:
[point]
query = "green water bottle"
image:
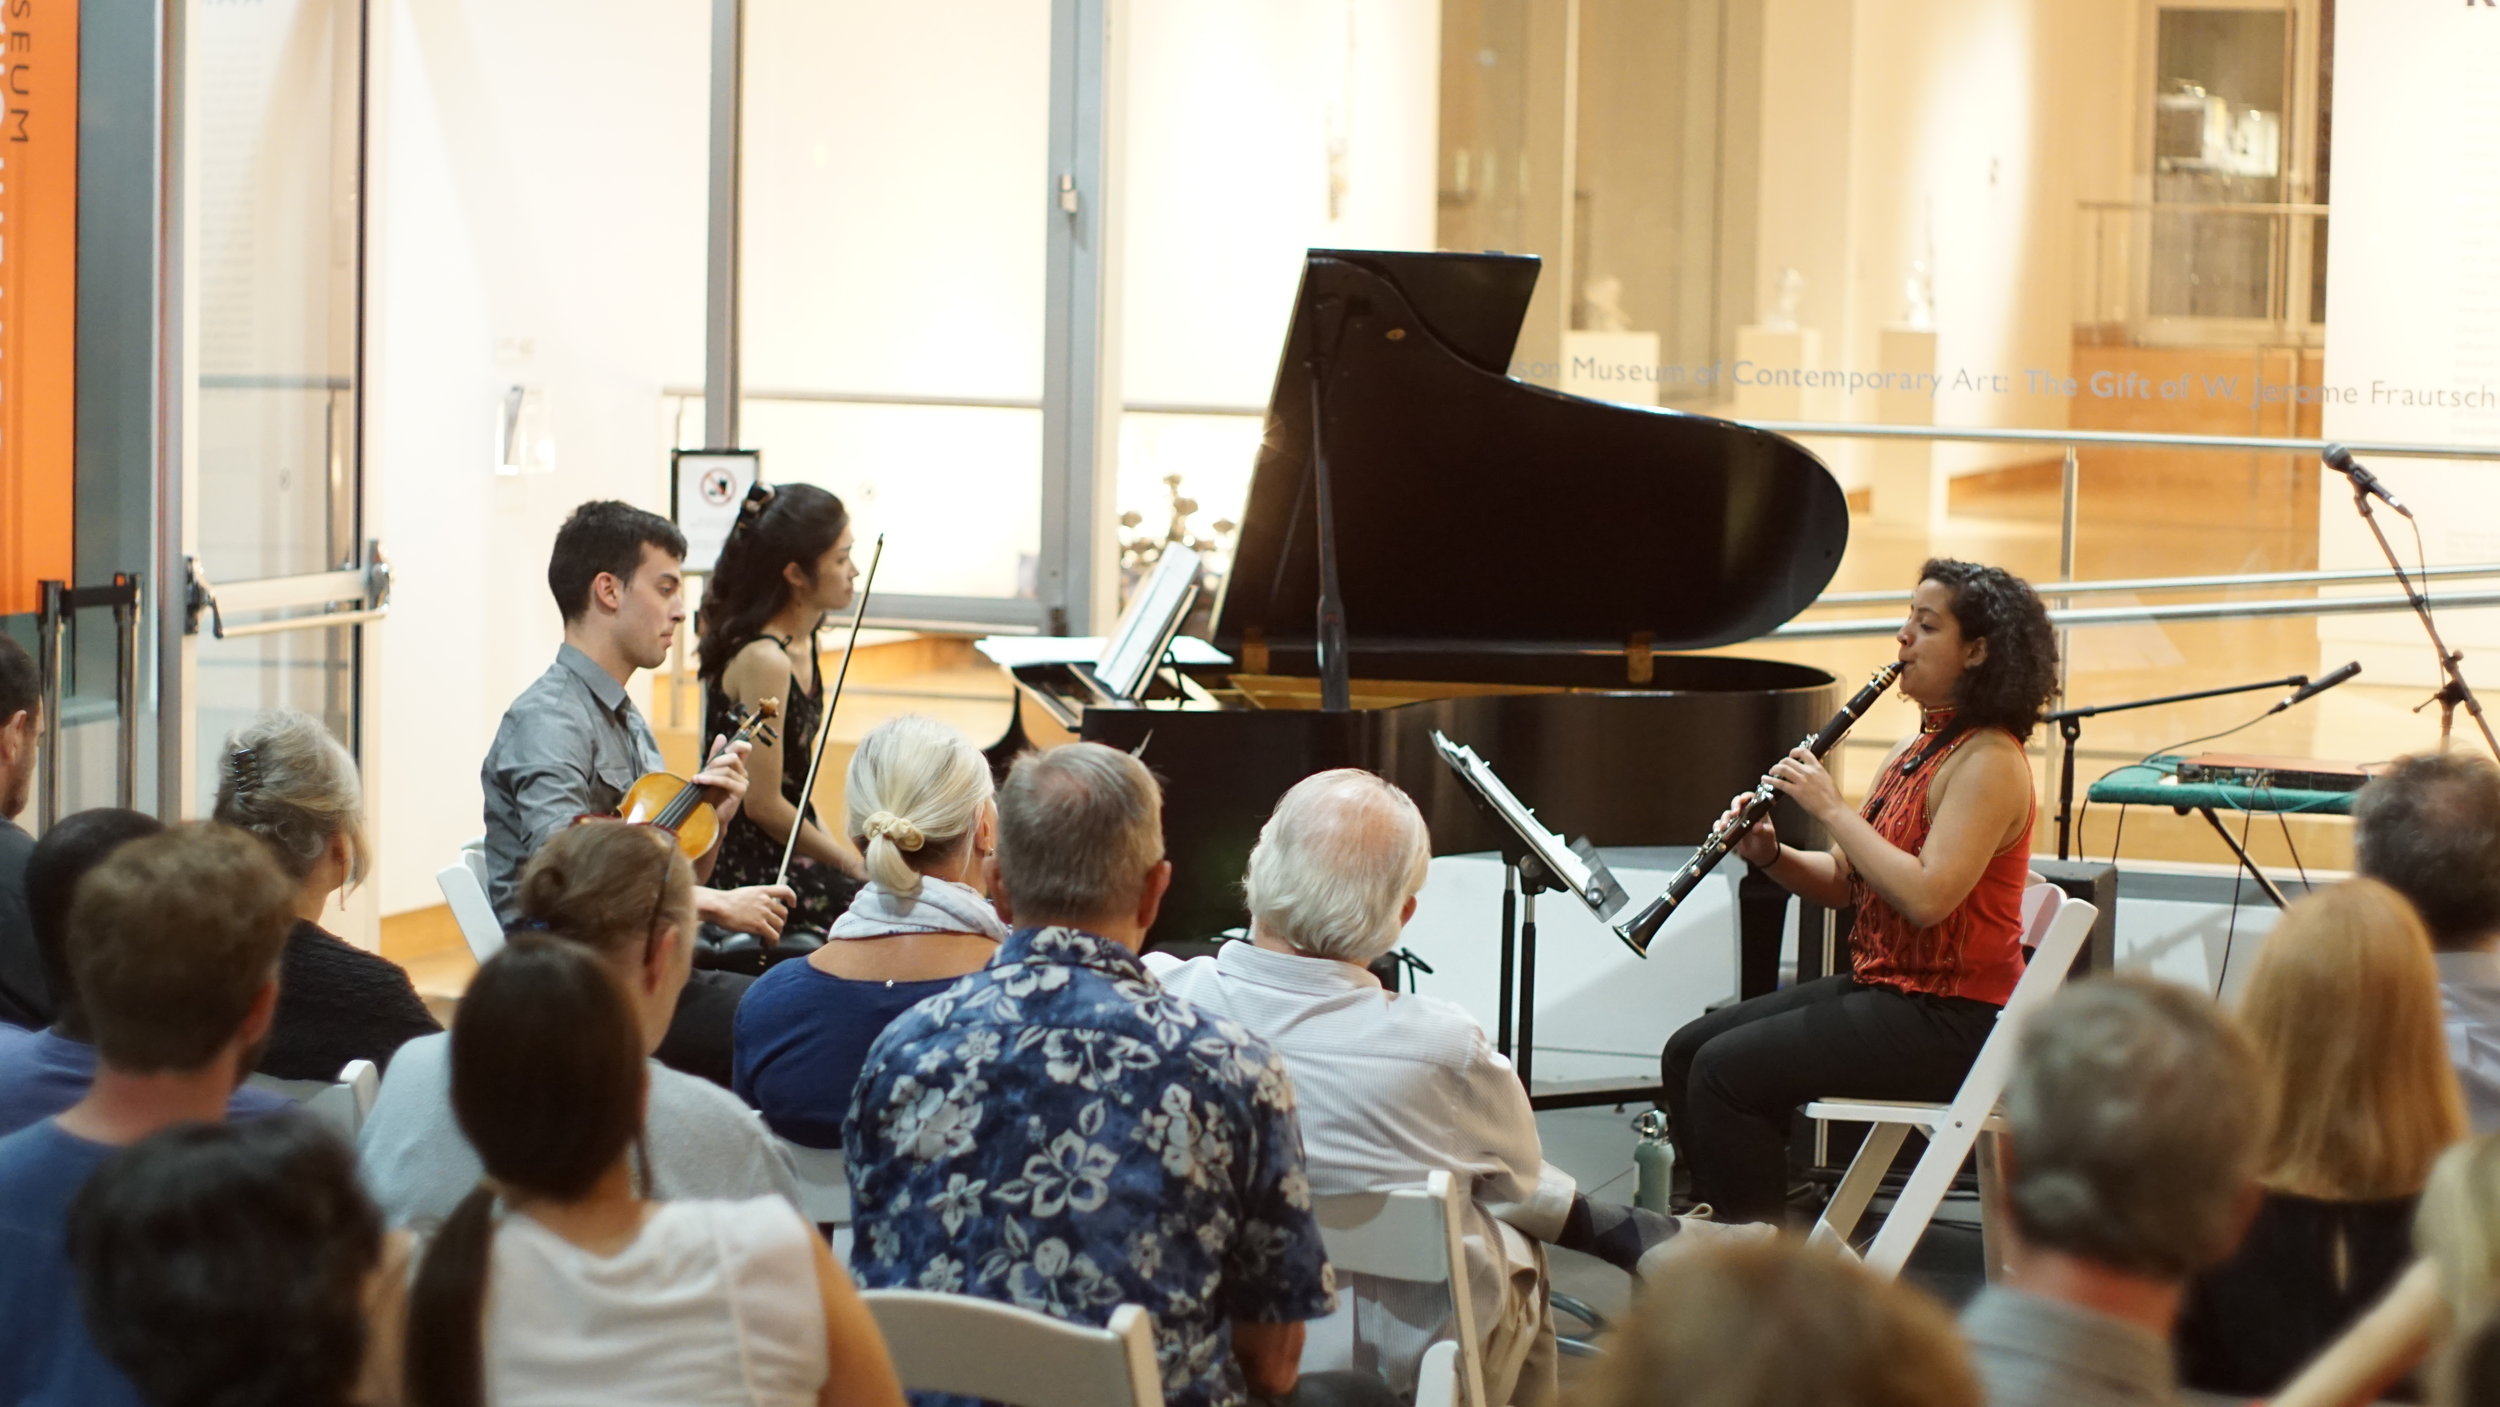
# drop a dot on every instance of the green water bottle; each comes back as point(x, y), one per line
point(1653, 1162)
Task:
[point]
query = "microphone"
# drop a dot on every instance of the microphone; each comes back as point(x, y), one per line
point(2315, 687)
point(2341, 461)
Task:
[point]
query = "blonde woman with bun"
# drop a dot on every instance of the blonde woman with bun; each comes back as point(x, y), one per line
point(917, 804)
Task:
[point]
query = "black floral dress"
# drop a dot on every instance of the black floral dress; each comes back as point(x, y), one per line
point(748, 853)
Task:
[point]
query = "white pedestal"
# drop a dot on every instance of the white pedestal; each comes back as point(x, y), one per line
point(1772, 352)
point(1902, 473)
point(1612, 366)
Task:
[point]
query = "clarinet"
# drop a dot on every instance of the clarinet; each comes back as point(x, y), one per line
point(1723, 837)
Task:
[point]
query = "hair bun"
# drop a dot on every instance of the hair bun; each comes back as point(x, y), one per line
point(885, 825)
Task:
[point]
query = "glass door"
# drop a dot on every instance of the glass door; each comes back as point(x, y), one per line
point(284, 577)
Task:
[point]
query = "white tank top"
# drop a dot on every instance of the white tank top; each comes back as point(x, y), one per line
point(713, 1303)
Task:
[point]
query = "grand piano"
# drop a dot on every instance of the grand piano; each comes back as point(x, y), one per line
point(1512, 566)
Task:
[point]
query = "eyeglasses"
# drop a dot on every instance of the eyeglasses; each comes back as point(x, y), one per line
point(659, 901)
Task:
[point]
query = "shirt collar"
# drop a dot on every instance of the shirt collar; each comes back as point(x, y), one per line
point(603, 685)
point(1292, 972)
point(2478, 967)
point(1071, 946)
point(2020, 1323)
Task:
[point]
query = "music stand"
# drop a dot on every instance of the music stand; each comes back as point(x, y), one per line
point(1535, 861)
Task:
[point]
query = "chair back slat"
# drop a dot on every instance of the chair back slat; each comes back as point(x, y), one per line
point(980, 1348)
point(1413, 1234)
point(463, 883)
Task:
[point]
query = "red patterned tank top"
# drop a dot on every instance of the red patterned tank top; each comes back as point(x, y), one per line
point(1976, 951)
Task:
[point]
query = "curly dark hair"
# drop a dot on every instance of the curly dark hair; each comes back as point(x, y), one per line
point(225, 1263)
point(2015, 682)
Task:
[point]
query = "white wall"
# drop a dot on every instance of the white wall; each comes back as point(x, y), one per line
point(1228, 118)
point(541, 182)
point(2413, 300)
point(1961, 132)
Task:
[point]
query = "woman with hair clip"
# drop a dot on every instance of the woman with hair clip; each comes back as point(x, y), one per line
point(1934, 863)
point(286, 780)
point(917, 802)
point(2344, 1010)
point(787, 564)
point(625, 895)
point(559, 1280)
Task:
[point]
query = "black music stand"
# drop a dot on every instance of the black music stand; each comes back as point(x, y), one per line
point(1536, 861)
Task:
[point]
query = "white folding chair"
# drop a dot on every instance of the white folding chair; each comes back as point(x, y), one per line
point(824, 1184)
point(463, 883)
point(981, 1348)
point(342, 1103)
point(2054, 931)
point(1413, 1234)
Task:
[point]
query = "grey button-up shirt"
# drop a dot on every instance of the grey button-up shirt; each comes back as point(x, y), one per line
point(571, 745)
point(2469, 999)
point(2032, 1351)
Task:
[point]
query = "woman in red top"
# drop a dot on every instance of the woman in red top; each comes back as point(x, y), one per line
point(1934, 864)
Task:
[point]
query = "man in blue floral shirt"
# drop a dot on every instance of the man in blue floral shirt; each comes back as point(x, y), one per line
point(1056, 1131)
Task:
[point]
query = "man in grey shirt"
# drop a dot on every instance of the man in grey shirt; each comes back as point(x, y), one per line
point(2136, 1114)
point(573, 743)
point(2429, 827)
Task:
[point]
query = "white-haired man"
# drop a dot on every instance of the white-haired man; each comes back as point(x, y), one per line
point(1392, 1086)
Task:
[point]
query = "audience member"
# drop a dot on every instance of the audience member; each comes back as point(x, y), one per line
point(25, 1000)
point(2136, 1116)
point(626, 894)
point(286, 780)
point(240, 1265)
point(1389, 1087)
point(1059, 1132)
point(2430, 826)
point(2455, 1283)
point(2469, 1372)
point(179, 1009)
point(1779, 1324)
point(2344, 1012)
point(44, 1072)
point(560, 1280)
point(918, 805)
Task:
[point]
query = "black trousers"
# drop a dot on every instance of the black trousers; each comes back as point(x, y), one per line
point(1736, 1077)
point(699, 1035)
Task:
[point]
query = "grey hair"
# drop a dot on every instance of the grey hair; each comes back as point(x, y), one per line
point(2138, 1116)
point(2429, 828)
point(285, 779)
point(915, 788)
point(1335, 864)
point(1078, 827)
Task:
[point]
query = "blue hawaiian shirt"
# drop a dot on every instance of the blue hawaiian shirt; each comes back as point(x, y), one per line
point(1059, 1132)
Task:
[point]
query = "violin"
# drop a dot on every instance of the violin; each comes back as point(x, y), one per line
point(683, 809)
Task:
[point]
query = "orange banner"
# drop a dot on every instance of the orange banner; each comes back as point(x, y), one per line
point(38, 293)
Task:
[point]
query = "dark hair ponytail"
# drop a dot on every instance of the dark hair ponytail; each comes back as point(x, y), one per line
point(547, 1081)
point(776, 527)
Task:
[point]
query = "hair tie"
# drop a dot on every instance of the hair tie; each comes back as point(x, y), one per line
point(751, 510)
point(885, 825)
point(244, 768)
point(531, 925)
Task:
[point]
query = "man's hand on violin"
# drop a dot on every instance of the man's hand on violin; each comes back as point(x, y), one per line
point(726, 775)
point(759, 909)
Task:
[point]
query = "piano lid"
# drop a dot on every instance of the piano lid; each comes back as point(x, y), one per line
point(1477, 511)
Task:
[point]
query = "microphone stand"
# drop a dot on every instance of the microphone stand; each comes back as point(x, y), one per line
point(2069, 723)
point(2453, 690)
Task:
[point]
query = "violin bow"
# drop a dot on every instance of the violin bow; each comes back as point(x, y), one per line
point(824, 725)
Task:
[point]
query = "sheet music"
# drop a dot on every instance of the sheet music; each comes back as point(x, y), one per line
point(1571, 872)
